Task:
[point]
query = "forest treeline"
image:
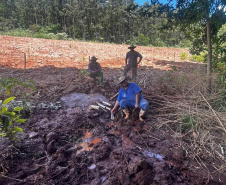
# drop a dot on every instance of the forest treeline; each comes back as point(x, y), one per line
point(114, 21)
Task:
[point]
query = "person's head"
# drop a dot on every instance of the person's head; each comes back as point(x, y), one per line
point(131, 47)
point(123, 81)
point(93, 59)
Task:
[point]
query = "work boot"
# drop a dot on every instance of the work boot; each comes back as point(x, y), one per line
point(126, 112)
point(141, 115)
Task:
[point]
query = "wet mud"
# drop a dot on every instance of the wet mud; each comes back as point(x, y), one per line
point(74, 145)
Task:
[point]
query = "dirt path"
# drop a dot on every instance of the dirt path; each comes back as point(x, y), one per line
point(76, 145)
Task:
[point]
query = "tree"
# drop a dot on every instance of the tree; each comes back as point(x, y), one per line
point(209, 13)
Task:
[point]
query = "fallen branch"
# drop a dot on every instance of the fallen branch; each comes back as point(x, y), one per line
point(11, 178)
point(104, 107)
point(94, 107)
point(63, 169)
point(221, 124)
point(141, 137)
point(106, 103)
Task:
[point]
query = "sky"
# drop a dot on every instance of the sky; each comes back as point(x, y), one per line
point(141, 2)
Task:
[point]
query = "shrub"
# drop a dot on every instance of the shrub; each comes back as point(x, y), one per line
point(35, 28)
point(18, 32)
point(61, 36)
point(142, 40)
point(8, 120)
point(9, 113)
point(83, 72)
point(188, 122)
point(158, 43)
point(53, 28)
point(197, 58)
point(183, 56)
point(185, 44)
point(51, 36)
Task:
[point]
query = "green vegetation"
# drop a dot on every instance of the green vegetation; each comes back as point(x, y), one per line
point(188, 122)
point(197, 58)
point(10, 114)
point(83, 72)
point(183, 56)
point(113, 21)
point(141, 39)
point(8, 120)
point(43, 33)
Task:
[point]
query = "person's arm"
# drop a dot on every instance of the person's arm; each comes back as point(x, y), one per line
point(115, 107)
point(89, 69)
point(99, 67)
point(137, 100)
point(140, 58)
point(126, 59)
point(119, 98)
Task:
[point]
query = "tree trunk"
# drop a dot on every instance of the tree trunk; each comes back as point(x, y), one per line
point(209, 57)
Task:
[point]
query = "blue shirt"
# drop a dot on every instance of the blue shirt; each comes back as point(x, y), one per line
point(129, 93)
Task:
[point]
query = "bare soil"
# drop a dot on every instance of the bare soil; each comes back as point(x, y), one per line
point(76, 145)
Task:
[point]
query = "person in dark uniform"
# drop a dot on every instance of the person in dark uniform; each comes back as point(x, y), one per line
point(131, 61)
point(95, 69)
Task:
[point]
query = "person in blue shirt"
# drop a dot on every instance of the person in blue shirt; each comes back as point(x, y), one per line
point(130, 96)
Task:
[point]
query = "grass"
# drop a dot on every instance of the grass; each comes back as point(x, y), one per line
point(183, 56)
point(41, 34)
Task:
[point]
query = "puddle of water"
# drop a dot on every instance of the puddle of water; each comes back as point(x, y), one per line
point(93, 166)
point(82, 100)
point(151, 154)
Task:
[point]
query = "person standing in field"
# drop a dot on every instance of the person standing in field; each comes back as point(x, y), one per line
point(131, 61)
point(95, 69)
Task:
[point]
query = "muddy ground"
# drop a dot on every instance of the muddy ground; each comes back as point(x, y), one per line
point(72, 144)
